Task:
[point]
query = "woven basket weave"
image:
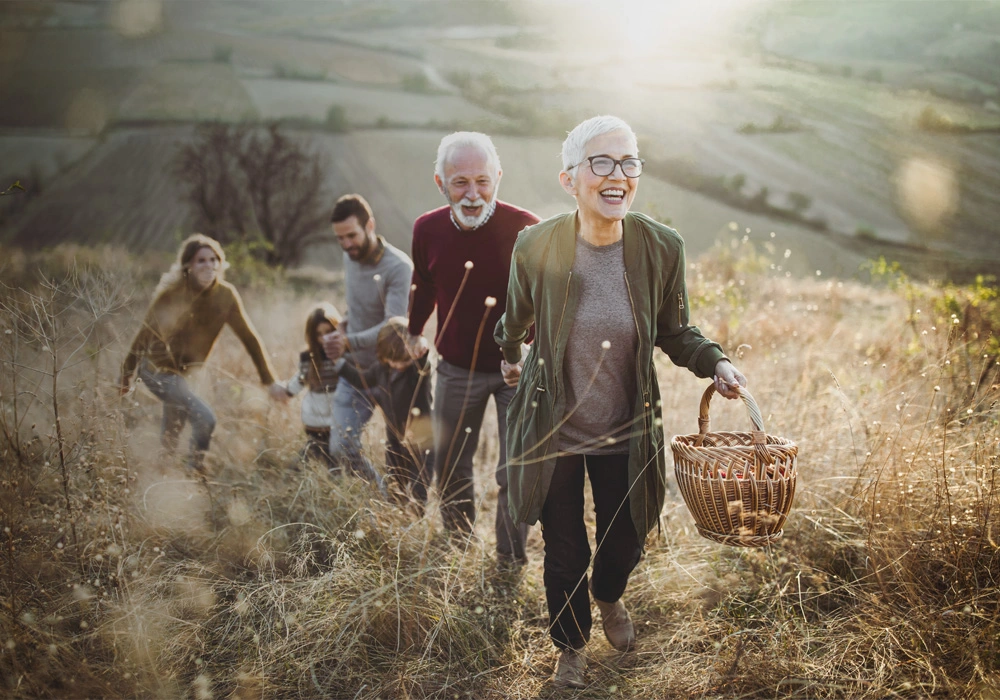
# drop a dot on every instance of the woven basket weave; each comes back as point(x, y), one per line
point(738, 486)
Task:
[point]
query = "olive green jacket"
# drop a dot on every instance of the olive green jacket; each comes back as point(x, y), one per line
point(542, 291)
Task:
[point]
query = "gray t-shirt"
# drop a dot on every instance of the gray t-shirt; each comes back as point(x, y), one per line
point(600, 384)
point(375, 293)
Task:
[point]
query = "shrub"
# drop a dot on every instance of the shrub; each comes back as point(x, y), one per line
point(865, 232)
point(336, 120)
point(416, 82)
point(222, 54)
point(798, 201)
point(874, 75)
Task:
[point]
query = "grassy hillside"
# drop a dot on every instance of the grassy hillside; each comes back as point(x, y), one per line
point(122, 576)
point(852, 129)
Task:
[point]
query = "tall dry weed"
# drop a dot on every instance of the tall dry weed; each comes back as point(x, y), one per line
point(272, 579)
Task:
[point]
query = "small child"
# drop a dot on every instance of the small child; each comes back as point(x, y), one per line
point(319, 375)
point(401, 387)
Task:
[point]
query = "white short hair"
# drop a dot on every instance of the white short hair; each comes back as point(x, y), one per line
point(461, 139)
point(574, 148)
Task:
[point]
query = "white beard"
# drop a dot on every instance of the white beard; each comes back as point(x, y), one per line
point(472, 221)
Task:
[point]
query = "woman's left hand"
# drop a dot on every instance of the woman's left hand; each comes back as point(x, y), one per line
point(728, 378)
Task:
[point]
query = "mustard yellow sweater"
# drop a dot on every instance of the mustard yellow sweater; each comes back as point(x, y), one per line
point(182, 325)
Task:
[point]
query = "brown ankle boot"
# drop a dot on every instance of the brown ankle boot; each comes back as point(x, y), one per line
point(569, 669)
point(618, 627)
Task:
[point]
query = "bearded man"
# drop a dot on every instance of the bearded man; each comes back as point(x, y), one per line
point(377, 285)
point(461, 255)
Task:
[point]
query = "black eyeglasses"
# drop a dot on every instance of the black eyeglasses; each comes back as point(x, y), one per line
point(602, 166)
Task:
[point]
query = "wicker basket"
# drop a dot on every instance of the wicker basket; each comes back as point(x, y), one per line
point(738, 486)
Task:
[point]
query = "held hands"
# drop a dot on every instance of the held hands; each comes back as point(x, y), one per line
point(335, 344)
point(728, 378)
point(278, 392)
point(124, 385)
point(417, 346)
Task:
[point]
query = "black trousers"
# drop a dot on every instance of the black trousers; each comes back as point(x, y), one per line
point(567, 545)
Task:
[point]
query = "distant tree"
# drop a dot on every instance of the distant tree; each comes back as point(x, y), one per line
point(759, 200)
point(416, 82)
point(255, 185)
point(930, 119)
point(874, 75)
point(222, 54)
point(798, 201)
point(865, 232)
point(336, 119)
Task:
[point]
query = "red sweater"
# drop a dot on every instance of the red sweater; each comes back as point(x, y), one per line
point(440, 251)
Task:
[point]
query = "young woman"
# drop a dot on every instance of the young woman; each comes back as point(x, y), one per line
point(190, 306)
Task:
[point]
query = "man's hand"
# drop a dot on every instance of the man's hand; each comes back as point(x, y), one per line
point(278, 392)
point(417, 346)
point(334, 345)
point(728, 378)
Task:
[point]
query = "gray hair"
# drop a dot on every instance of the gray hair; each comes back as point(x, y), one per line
point(461, 139)
point(574, 148)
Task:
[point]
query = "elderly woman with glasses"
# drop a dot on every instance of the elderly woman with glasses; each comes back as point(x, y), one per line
point(602, 286)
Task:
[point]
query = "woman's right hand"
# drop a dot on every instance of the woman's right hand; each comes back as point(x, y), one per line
point(511, 373)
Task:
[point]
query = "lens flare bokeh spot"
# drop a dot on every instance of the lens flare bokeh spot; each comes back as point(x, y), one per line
point(135, 18)
point(927, 192)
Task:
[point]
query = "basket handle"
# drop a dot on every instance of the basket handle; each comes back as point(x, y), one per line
point(757, 436)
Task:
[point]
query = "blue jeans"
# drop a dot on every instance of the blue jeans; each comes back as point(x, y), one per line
point(180, 406)
point(352, 409)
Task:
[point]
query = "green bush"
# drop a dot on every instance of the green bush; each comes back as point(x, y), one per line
point(798, 201)
point(416, 82)
point(874, 75)
point(336, 119)
point(865, 232)
point(222, 54)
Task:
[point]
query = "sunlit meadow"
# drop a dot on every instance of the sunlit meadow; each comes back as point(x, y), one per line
point(123, 576)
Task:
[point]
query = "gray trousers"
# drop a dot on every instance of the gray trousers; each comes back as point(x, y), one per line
point(460, 398)
point(180, 406)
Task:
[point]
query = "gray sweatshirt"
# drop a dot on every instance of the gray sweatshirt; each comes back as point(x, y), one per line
point(375, 293)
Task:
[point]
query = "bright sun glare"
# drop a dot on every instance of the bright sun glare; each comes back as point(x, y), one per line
point(673, 42)
point(643, 27)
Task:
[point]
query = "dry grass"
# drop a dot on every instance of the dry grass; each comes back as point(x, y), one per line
point(124, 577)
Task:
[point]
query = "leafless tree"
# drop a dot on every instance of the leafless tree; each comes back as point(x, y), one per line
point(254, 184)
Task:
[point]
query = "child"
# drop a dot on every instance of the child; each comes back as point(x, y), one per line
point(319, 375)
point(400, 385)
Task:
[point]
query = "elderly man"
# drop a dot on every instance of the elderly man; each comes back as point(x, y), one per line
point(461, 255)
point(377, 285)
